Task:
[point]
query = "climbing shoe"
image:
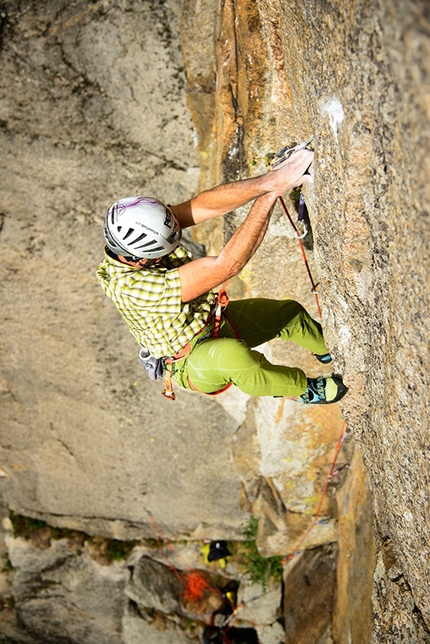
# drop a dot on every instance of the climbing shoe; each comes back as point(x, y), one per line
point(323, 391)
point(324, 358)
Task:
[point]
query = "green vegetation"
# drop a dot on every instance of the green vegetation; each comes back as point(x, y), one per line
point(25, 526)
point(118, 550)
point(29, 528)
point(260, 569)
point(7, 565)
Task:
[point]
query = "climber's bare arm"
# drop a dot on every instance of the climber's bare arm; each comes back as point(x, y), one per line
point(229, 196)
point(203, 274)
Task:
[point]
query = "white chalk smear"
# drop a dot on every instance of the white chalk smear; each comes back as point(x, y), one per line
point(344, 335)
point(334, 109)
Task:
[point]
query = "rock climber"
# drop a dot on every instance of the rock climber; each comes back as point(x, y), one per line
point(167, 298)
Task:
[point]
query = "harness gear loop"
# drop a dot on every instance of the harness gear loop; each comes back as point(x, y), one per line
point(221, 303)
point(168, 382)
point(168, 386)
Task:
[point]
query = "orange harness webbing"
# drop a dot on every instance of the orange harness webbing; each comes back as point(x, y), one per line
point(221, 303)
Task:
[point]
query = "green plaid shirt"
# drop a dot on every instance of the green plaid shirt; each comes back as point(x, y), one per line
point(149, 300)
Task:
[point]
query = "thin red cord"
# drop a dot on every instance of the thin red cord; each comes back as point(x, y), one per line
point(343, 428)
point(318, 510)
point(188, 579)
point(302, 248)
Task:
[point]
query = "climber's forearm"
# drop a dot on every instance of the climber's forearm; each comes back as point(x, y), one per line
point(203, 274)
point(227, 197)
point(247, 238)
point(219, 201)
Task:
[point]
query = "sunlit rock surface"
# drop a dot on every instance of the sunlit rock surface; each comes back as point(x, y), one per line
point(99, 101)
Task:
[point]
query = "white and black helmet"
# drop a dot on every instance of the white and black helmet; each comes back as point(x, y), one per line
point(141, 227)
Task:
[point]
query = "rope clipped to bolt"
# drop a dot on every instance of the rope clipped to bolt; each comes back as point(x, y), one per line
point(302, 248)
point(284, 154)
point(279, 158)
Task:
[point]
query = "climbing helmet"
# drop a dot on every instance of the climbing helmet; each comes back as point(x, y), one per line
point(141, 227)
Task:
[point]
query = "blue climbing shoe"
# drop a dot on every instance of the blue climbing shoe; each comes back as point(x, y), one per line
point(324, 358)
point(323, 391)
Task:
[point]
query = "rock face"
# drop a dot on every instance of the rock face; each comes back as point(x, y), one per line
point(99, 101)
point(93, 108)
point(353, 76)
point(64, 596)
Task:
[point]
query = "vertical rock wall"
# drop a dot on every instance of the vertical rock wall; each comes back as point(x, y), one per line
point(92, 107)
point(355, 75)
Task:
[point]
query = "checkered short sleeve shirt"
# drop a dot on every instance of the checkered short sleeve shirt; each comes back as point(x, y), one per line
point(149, 300)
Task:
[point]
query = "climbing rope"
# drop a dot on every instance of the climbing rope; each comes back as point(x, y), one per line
point(196, 586)
point(194, 582)
point(343, 432)
point(332, 472)
point(302, 248)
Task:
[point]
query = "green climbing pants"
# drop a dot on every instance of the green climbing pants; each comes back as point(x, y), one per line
point(216, 362)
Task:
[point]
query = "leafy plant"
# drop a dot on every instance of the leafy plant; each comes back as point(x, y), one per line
point(260, 569)
point(118, 550)
point(25, 526)
point(111, 549)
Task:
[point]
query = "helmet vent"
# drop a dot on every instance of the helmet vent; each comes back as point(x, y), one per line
point(150, 243)
point(138, 239)
point(155, 250)
point(130, 232)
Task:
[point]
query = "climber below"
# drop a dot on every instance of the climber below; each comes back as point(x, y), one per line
point(167, 298)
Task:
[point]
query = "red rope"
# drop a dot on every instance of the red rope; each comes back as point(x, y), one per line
point(302, 248)
point(318, 510)
point(196, 586)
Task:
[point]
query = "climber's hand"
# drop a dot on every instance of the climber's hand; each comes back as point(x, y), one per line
point(291, 173)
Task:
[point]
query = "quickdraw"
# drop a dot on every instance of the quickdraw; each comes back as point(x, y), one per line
point(286, 152)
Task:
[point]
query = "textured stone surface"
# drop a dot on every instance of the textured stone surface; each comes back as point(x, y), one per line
point(355, 562)
point(295, 445)
point(308, 596)
point(92, 106)
point(136, 630)
point(356, 76)
point(260, 609)
point(395, 611)
point(61, 596)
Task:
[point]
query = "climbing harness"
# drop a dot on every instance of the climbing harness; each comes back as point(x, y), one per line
point(217, 314)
